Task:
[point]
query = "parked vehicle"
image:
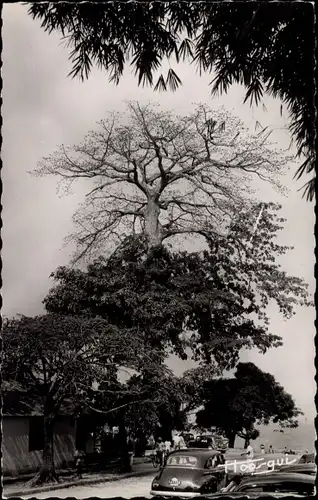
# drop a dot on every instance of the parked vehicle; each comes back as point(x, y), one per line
point(200, 444)
point(307, 458)
point(187, 436)
point(270, 484)
point(300, 468)
point(252, 495)
point(209, 440)
point(189, 473)
point(221, 442)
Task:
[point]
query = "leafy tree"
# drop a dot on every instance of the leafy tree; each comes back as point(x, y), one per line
point(147, 402)
point(161, 175)
point(207, 304)
point(59, 359)
point(192, 384)
point(269, 48)
point(234, 405)
point(159, 411)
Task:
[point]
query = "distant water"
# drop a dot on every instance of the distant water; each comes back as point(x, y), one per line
point(302, 438)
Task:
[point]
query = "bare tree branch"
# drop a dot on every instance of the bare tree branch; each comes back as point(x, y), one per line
point(160, 174)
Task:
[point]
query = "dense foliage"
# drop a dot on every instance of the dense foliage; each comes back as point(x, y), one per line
point(234, 405)
point(68, 362)
point(211, 303)
point(267, 47)
point(127, 313)
point(148, 404)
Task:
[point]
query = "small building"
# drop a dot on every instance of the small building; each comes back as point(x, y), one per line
point(23, 434)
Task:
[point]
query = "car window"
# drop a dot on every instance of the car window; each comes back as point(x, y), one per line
point(307, 458)
point(214, 461)
point(211, 463)
point(183, 460)
point(221, 459)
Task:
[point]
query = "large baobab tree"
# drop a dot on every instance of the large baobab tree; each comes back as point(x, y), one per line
point(158, 174)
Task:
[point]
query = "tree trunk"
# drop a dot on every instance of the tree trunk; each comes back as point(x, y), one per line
point(47, 472)
point(249, 432)
point(231, 435)
point(124, 449)
point(153, 227)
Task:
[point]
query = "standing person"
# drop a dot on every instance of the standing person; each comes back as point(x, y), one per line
point(211, 443)
point(167, 446)
point(262, 447)
point(176, 442)
point(151, 442)
point(131, 450)
point(182, 443)
point(79, 462)
point(285, 450)
point(160, 449)
point(167, 450)
point(249, 453)
point(270, 449)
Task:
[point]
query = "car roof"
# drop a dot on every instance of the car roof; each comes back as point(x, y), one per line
point(252, 494)
point(273, 477)
point(306, 466)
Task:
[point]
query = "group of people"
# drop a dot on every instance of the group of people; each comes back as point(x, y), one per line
point(164, 448)
point(271, 450)
point(249, 453)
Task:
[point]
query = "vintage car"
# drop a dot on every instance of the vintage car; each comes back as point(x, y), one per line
point(253, 495)
point(197, 443)
point(272, 484)
point(307, 458)
point(209, 440)
point(189, 473)
point(188, 436)
point(301, 468)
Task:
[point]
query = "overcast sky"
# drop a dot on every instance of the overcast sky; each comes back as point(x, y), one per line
point(43, 108)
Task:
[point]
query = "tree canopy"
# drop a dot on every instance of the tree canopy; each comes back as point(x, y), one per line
point(74, 360)
point(149, 403)
point(234, 405)
point(207, 304)
point(267, 47)
point(153, 173)
point(60, 356)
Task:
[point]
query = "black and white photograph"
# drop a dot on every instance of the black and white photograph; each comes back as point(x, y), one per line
point(158, 249)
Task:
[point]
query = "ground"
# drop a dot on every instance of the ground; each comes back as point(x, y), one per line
point(127, 488)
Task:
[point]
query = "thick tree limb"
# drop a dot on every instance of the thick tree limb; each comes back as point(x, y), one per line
point(158, 170)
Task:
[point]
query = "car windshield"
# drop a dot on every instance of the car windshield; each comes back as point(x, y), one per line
point(307, 458)
point(182, 460)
